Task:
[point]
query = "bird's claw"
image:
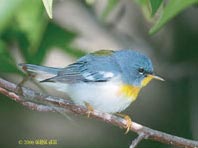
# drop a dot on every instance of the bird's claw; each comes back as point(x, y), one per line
point(128, 122)
point(23, 81)
point(90, 109)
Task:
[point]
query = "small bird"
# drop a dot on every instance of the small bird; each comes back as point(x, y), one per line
point(106, 80)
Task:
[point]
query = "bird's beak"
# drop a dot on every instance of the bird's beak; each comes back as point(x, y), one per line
point(149, 77)
point(156, 77)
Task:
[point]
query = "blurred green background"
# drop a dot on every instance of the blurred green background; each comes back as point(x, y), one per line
point(27, 35)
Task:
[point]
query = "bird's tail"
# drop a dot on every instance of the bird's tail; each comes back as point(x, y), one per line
point(39, 69)
point(42, 73)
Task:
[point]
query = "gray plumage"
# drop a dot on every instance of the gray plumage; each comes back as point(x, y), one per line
point(100, 66)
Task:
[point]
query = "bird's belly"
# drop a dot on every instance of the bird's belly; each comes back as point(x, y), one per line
point(105, 97)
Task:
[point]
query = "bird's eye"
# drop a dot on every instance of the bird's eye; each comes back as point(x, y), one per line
point(141, 70)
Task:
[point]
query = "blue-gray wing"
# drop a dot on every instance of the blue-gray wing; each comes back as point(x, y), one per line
point(87, 69)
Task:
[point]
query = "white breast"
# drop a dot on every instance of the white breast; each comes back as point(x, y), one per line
point(103, 96)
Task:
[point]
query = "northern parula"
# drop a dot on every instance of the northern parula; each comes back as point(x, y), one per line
point(107, 80)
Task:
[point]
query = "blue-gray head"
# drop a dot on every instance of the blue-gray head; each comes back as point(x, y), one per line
point(136, 67)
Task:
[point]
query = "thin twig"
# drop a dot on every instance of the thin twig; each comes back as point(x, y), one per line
point(64, 105)
point(137, 140)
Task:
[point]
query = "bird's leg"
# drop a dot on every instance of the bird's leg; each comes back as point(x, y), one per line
point(89, 109)
point(128, 121)
point(24, 80)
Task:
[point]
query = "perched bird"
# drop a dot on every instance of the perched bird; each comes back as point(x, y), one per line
point(106, 80)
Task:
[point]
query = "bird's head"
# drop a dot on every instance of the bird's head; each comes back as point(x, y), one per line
point(136, 67)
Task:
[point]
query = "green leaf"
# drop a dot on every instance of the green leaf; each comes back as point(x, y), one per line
point(48, 7)
point(30, 22)
point(89, 2)
point(7, 9)
point(144, 4)
point(13, 34)
point(55, 36)
point(26, 26)
point(155, 4)
point(110, 6)
point(171, 10)
point(7, 63)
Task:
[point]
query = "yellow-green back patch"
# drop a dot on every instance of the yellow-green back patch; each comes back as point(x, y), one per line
point(103, 52)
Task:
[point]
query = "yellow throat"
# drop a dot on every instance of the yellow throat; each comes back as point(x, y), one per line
point(146, 80)
point(132, 92)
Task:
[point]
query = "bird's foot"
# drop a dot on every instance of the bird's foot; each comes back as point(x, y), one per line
point(23, 81)
point(128, 121)
point(20, 84)
point(90, 109)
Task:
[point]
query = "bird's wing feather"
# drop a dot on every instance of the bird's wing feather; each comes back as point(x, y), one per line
point(81, 71)
point(96, 67)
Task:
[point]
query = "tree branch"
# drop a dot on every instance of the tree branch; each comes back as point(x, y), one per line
point(137, 140)
point(43, 102)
